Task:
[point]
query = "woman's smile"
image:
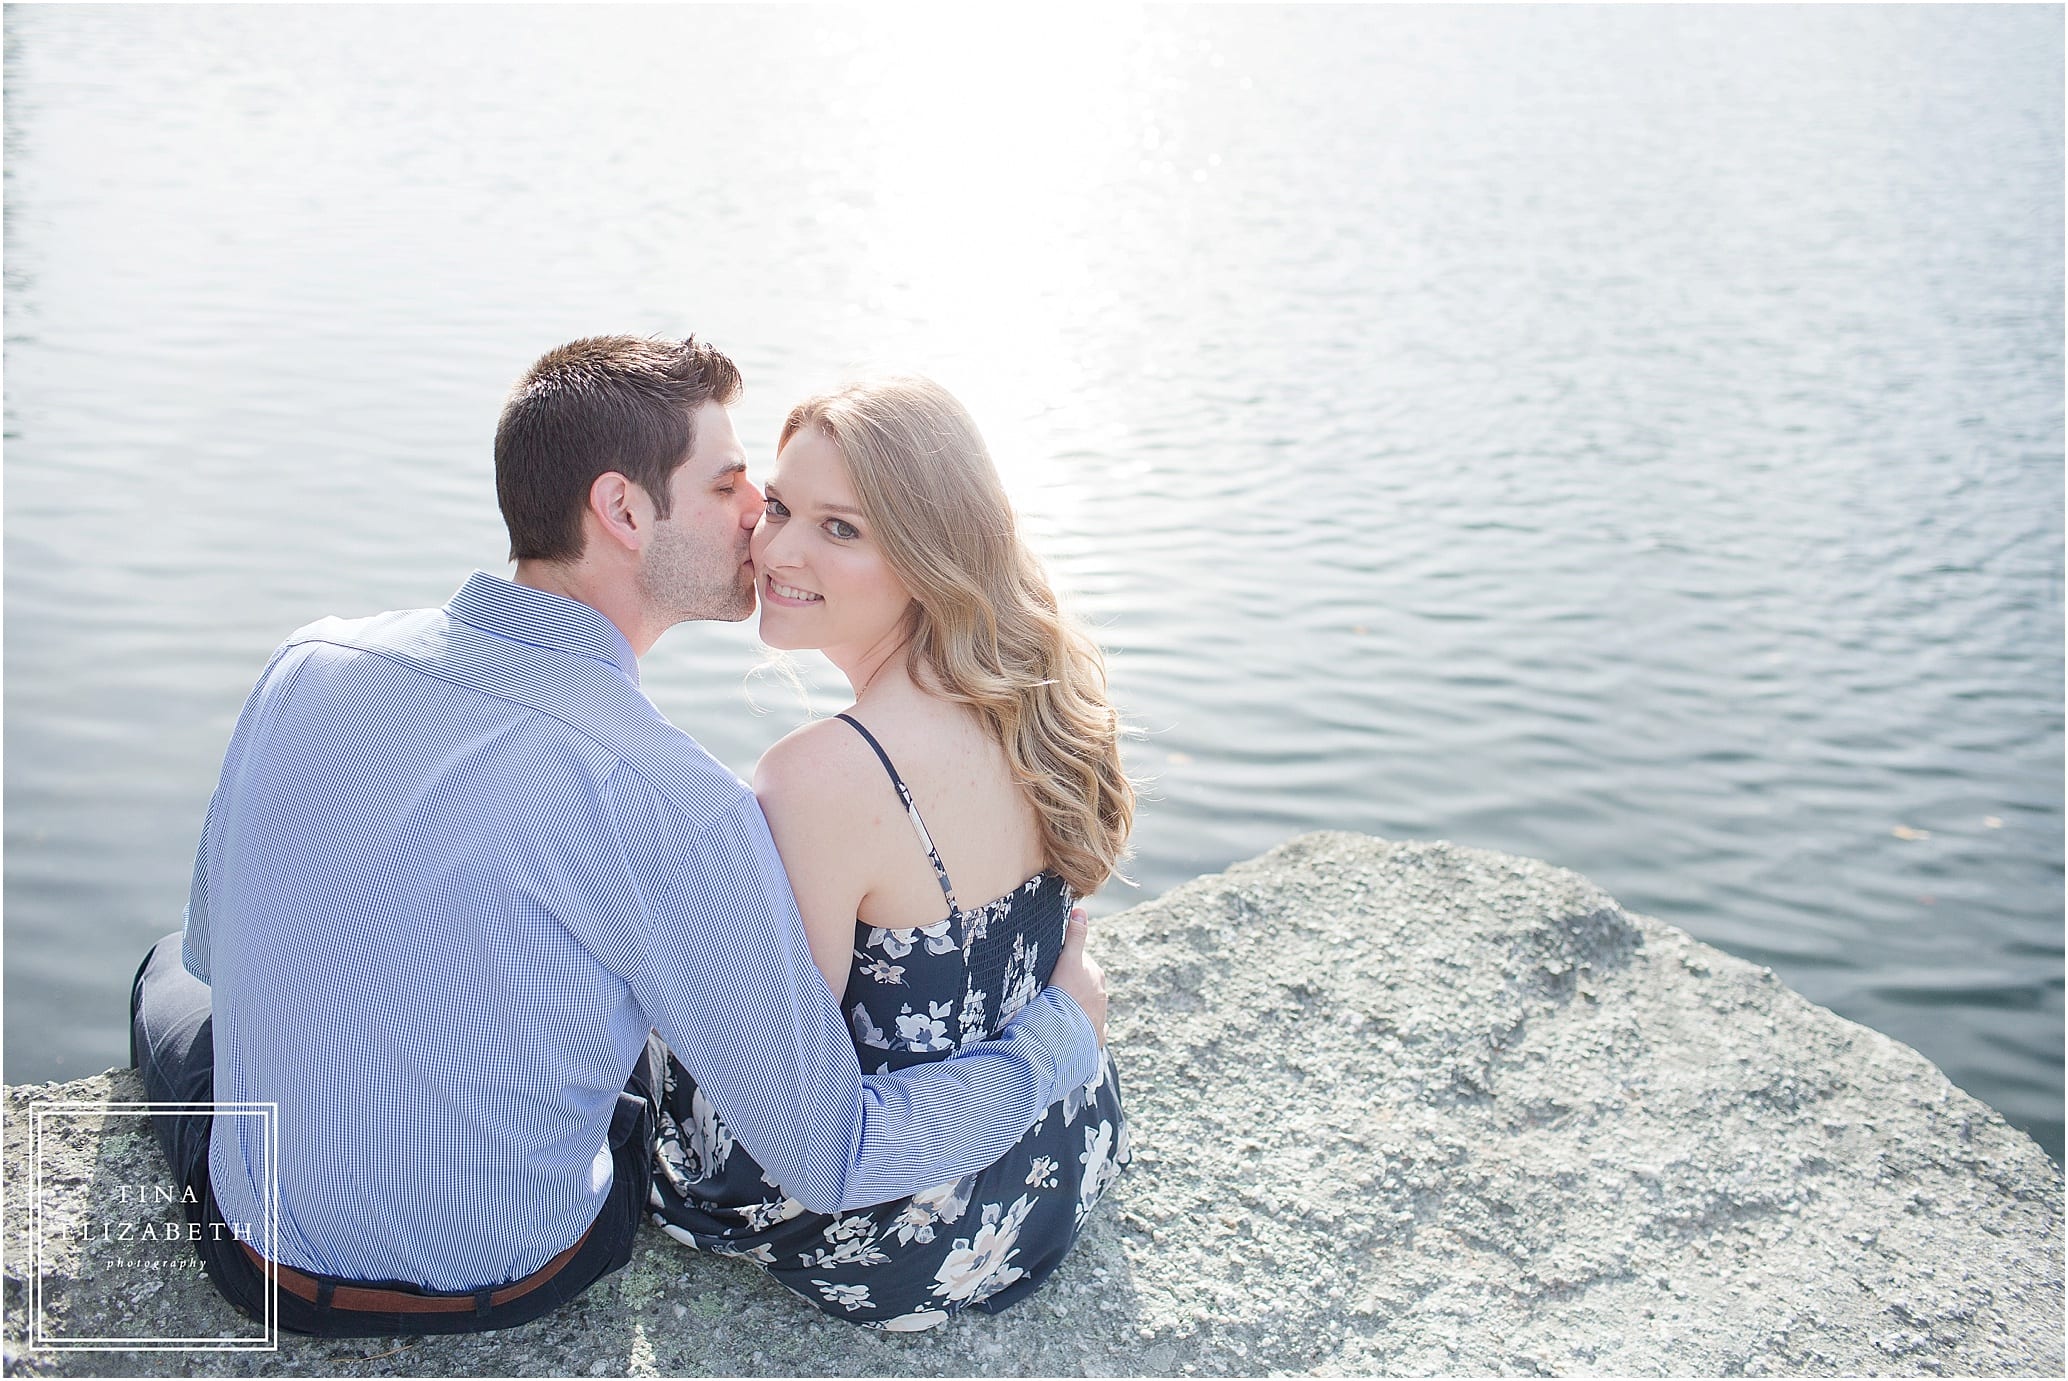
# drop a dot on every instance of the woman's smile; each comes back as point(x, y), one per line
point(779, 593)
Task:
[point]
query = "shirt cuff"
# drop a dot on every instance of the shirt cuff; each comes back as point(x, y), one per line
point(1055, 1022)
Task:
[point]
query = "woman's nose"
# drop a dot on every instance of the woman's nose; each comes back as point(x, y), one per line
point(768, 545)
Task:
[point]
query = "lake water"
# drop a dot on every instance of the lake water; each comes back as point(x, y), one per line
point(1630, 437)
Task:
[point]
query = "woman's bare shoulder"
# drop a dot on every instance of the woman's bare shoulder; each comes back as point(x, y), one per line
point(818, 767)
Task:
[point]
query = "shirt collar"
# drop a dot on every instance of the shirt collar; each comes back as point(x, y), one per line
point(542, 619)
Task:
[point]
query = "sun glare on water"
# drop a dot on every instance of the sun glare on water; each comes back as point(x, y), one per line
point(989, 139)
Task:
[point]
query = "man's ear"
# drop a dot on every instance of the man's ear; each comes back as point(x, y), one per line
point(621, 509)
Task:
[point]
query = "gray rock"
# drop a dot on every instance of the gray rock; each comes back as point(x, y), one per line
point(1398, 1108)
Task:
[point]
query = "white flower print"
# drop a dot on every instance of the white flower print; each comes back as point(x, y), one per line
point(692, 1150)
point(680, 1234)
point(848, 1228)
point(972, 1020)
point(896, 943)
point(854, 1244)
point(1077, 1099)
point(928, 1031)
point(973, 1261)
point(977, 924)
point(944, 1203)
point(867, 1031)
point(1099, 1166)
point(848, 1297)
point(760, 1253)
point(707, 1137)
point(996, 1283)
point(938, 940)
point(669, 1159)
point(917, 1321)
point(915, 1223)
point(846, 1254)
point(1020, 982)
point(947, 1201)
point(1042, 1173)
point(881, 970)
point(768, 1214)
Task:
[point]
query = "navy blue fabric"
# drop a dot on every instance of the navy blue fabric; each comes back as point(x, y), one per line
point(172, 1046)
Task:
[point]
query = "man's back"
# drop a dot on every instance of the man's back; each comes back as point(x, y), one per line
point(421, 926)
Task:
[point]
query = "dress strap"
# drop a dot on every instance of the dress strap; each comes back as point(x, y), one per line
point(940, 871)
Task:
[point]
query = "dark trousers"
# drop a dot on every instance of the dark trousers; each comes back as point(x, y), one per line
point(171, 1043)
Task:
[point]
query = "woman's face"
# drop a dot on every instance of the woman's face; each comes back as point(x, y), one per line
point(822, 579)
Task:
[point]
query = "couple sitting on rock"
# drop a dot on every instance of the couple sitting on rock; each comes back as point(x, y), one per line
point(517, 963)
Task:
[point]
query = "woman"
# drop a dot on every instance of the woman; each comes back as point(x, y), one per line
point(980, 760)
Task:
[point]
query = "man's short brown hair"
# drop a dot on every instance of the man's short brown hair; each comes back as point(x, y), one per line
point(592, 406)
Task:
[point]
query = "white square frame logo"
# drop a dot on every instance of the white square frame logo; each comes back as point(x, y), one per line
point(41, 1338)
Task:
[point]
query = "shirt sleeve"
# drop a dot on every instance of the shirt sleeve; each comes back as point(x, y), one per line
point(730, 984)
point(194, 926)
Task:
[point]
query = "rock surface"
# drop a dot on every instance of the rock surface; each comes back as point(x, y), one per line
point(1398, 1108)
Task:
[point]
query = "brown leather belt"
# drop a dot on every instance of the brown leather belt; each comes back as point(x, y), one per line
point(366, 1300)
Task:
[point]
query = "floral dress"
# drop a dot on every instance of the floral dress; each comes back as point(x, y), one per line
point(988, 1239)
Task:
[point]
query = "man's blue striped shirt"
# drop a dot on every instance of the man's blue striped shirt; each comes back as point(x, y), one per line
point(456, 867)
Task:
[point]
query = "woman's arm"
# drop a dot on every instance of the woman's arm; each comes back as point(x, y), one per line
point(811, 788)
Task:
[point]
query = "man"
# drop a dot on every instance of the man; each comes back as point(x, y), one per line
point(457, 867)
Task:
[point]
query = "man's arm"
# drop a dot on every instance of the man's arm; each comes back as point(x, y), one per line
point(731, 985)
point(194, 927)
point(194, 944)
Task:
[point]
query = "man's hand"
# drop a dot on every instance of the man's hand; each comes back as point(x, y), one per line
point(1077, 975)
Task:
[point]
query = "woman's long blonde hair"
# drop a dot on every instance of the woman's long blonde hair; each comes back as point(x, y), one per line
point(986, 630)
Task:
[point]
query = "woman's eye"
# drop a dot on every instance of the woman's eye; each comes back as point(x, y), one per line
point(772, 507)
point(843, 529)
